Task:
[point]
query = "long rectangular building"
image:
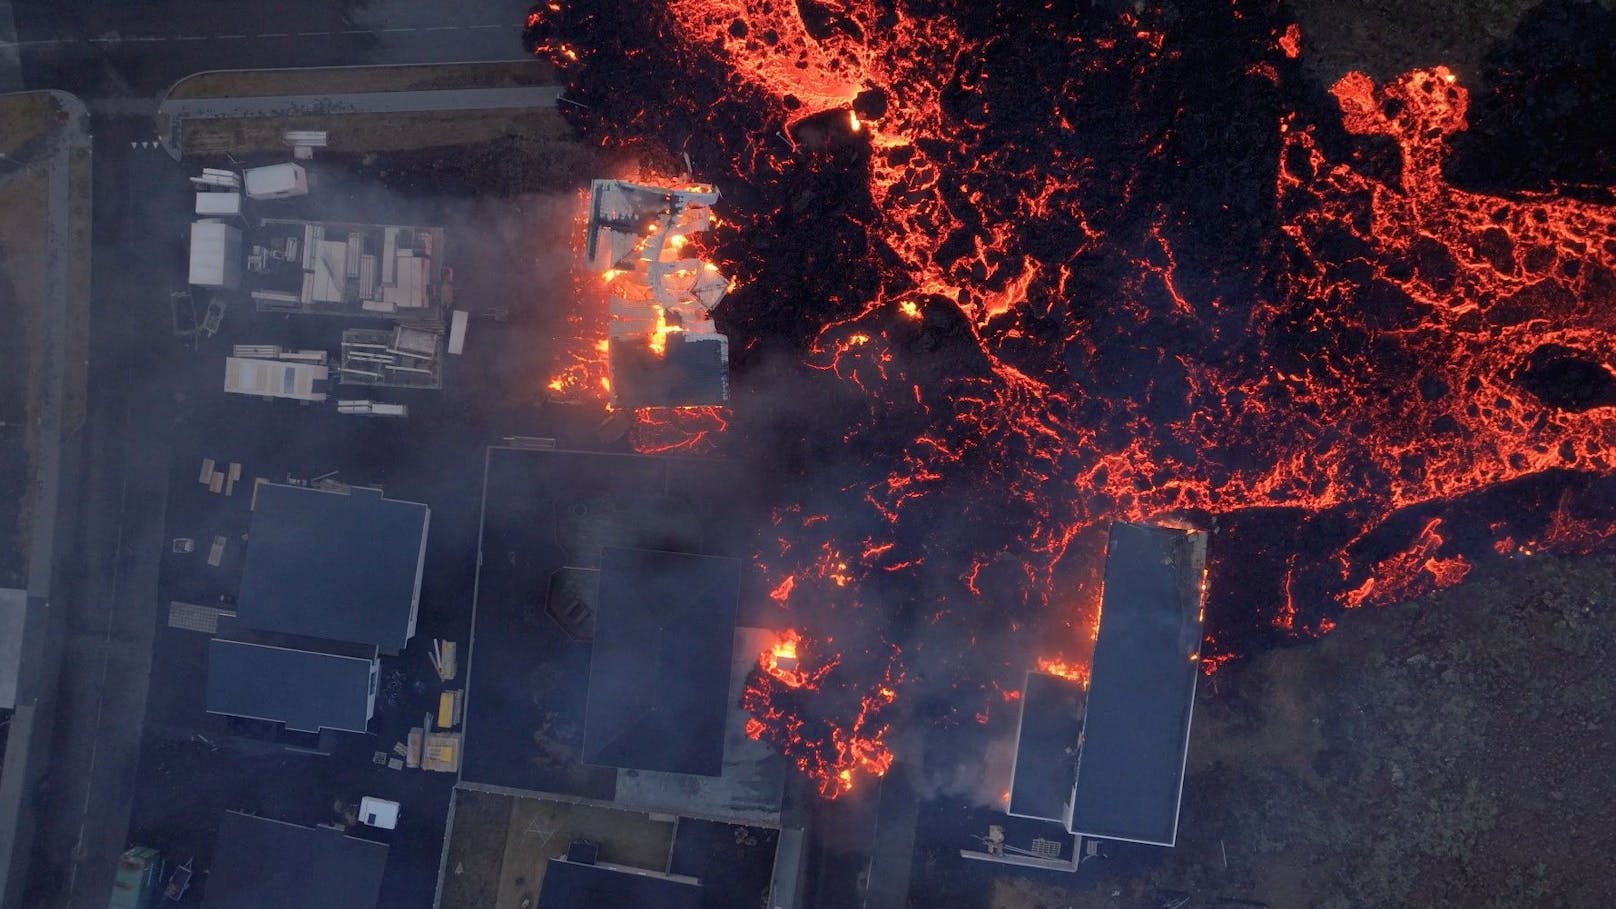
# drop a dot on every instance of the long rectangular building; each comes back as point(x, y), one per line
point(1130, 775)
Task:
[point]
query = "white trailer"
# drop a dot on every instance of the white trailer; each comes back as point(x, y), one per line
point(216, 256)
point(218, 205)
point(275, 378)
point(277, 181)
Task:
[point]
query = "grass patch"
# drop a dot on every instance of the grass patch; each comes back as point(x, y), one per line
point(267, 82)
point(366, 133)
point(76, 338)
point(1387, 39)
point(24, 118)
point(23, 203)
point(476, 849)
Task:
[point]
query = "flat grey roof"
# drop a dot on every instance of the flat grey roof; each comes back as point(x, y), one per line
point(660, 671)
point(339, 565)
point(13, 612)
point(1141, 686)
point(571, 885)
point(306, 690)
point(1046, 748)
point(259, 863)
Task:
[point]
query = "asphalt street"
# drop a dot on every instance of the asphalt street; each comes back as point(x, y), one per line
point(118, 57)
point(99, 50)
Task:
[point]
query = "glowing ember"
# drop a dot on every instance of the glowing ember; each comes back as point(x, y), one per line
point(1074, 671)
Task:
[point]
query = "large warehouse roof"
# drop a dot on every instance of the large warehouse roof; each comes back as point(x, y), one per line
point(339, 565)
point(1141, 686)
point(659, 675)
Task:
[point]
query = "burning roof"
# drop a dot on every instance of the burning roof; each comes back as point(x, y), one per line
point(1045, 772)
point(663, 349)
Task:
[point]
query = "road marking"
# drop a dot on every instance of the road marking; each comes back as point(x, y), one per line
point(275, 35)
point(231, 37)
point(191, 38)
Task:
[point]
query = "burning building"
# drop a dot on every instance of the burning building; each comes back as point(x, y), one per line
point(613, 640)
point(1104, 756)
point(662, 347)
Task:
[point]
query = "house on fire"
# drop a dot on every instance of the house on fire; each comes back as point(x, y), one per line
point(332, 579)
point(612, 639)
point(1106, 760)
point(662, 347)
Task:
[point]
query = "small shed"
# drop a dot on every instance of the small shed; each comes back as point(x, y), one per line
point(216, 256)
point(261, 863)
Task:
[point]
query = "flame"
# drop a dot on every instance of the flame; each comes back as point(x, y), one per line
point(1075, 672)
point(657, 340)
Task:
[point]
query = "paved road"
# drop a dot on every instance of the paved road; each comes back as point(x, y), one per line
point(98, 49)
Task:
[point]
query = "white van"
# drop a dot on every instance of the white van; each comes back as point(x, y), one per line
point(277, 181)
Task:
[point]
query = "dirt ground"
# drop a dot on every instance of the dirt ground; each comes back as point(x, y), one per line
point(364, 133)
point(1452, 751)
point(500, 845)
point(1385, 38)
point(24, 119)
point(259, 83)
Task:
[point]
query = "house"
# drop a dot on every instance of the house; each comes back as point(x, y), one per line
point(340, 565)
point(663, 348)
point(1104, 758)
point(260, 863)
point(319, 685)
point(1044, 775)
point(1130, 775)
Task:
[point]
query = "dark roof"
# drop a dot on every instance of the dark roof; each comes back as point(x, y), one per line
point(659, 674)
point(1046, 747)
point(344, 566)
point(689, 371)
point(307, 690)
point(1141, 686)
point(259, 863)
point(569, 885)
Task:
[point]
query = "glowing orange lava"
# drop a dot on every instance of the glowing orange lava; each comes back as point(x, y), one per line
point(1366, 372)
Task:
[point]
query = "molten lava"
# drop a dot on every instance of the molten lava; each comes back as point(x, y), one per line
point(1051, 268)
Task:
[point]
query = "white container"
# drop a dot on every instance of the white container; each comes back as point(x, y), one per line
point(277, 181)
point(380, 813)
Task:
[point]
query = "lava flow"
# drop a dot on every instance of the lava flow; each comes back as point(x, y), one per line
point(1046, 267)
